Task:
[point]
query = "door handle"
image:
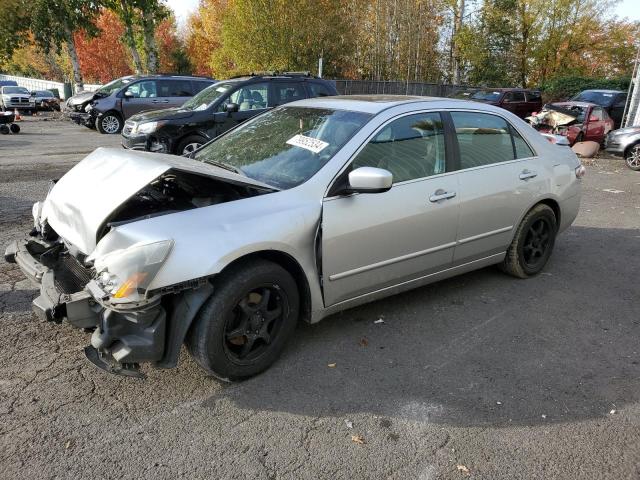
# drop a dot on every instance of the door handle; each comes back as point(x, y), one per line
point(441, 195)
point(527, 174)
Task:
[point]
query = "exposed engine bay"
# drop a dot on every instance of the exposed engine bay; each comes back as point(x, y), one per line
point(555, 119)
point(176, 191)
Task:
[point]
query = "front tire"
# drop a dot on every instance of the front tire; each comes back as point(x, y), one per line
point(242, 329)
point(532, 244)
point(110, 123)
point(632, 157)
point(189, 144)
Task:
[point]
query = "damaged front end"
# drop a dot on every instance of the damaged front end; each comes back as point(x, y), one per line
point(95, 277)
point(556, 120)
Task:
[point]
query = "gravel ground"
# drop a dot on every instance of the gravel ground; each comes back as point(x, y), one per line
point(481, 376)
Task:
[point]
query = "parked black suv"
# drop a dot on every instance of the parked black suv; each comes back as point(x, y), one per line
point(613, 101)
point(108, 107)
point(217, 109)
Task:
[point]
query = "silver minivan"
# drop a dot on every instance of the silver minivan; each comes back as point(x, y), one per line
point(305, 210)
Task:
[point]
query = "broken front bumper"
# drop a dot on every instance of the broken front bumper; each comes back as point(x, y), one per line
point(80, 118)
point(122, 337)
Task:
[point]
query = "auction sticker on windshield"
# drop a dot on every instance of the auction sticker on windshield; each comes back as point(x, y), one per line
point(312, 144)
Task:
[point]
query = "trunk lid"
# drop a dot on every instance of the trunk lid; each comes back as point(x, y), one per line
point(81, 202)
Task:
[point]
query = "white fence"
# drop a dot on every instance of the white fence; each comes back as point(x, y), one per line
point(38, 84)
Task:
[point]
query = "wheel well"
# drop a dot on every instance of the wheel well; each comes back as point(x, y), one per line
point(114, 112)
point(554, 206)
point(287, 262)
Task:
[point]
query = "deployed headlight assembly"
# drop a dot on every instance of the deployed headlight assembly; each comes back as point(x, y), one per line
point(126, 274)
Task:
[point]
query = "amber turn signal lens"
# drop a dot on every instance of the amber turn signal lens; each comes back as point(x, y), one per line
point(130, 285)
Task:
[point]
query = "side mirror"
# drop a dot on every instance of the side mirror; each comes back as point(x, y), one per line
point(370, 180)
point(593, 118)
point(128, 94)
point(231, 107)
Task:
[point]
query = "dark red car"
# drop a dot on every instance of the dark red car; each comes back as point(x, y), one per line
point(578, 121)
point(519, 101)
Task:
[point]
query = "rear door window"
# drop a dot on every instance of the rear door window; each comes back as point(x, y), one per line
point(318, 90)
point(285, 92)
point(514, 97)
point(534, 97)
point(174, 88)
point(485, 139)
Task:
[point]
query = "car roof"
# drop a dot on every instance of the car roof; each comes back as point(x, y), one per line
point(509, 89)
point(377, 103)
point(183, 77)
point(598, 90)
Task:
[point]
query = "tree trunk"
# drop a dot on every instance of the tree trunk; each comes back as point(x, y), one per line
point(75, 63)
point(129, 37)
point(151, 49)
point(457, 26)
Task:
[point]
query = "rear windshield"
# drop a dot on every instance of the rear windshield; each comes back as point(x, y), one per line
point(489, 95)
point(599, 98)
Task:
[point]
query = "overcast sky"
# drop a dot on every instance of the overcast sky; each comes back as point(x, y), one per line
point(182, 8)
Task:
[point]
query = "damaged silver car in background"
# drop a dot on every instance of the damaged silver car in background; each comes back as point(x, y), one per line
point(303, 211)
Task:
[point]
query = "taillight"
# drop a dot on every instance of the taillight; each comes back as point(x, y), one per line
point(580, 171)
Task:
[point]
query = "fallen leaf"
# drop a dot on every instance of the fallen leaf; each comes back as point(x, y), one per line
point(544, 416)
point(612, 412)
point(498, 403)
point(364, 342)
point(463, 469)
point(348, 423)
point(67, 445)
point(379, 321)
point(331, 365)
point(359, 439)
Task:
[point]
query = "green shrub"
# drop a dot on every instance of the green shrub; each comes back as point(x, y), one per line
point(563, 88)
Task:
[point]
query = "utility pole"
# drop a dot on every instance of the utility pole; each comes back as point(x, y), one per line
point(455, 54)
point(631, 107)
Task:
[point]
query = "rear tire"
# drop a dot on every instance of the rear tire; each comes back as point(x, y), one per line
point(532, 244)
point(244, 326)
point(632, 157)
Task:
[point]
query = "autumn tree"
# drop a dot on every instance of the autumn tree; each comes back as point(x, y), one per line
point(53, 23)
point(103, 57)
point(204, 35)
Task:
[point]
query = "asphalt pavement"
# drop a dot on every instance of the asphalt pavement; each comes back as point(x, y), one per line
point(482, 376)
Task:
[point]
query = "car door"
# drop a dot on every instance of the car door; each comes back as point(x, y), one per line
point(594, 130)
point(617, 109)
point(534, 102)
point(174, 92)
point(374, 241)
point(141, 96)
point(252, 99)
point(498, 179)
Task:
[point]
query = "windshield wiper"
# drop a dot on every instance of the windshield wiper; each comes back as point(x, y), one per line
point(225, 166)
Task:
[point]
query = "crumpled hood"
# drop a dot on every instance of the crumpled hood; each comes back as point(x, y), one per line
point(165, 114)
point(80, 98)
point(80, 202)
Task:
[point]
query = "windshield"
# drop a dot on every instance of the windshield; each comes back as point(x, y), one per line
point(44, 93)
point(206, 97)
point(599, 98)
point(488, 95)
point(15, 90)
point(114, 86)
point(286, 146)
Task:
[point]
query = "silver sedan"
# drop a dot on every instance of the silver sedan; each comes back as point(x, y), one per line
point(303, 211)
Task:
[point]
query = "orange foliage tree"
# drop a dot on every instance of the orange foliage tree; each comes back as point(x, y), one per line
point(104, 57)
